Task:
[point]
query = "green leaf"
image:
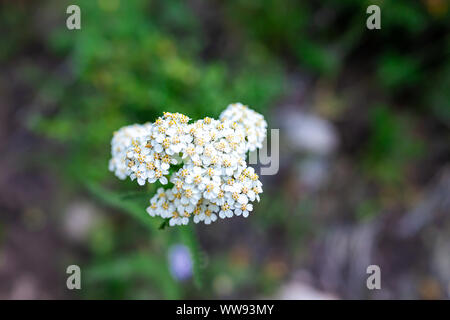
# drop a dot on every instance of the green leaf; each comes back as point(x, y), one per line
point(134, 266)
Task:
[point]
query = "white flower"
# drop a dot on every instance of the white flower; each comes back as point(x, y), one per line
point(229, 165)
point(120, 144)
point(208, 214)
point(195, 175)
point(191, 150)
point(210, 189)
point(214, 180)
point(190, 196)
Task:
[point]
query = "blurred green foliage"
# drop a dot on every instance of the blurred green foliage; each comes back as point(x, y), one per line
point(131, 62)
point(129, 70)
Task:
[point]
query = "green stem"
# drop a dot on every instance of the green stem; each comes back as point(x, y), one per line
point(130, 207)
point(189, 238)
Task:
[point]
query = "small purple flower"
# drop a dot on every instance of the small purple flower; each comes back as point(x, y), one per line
point(180, 262)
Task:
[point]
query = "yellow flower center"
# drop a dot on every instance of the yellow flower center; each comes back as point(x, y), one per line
point(207, 120)
point(166, 143)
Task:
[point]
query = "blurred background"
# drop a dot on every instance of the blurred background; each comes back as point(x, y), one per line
point(364, 120)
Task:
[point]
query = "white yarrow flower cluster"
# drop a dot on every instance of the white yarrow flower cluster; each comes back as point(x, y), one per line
point(250, 121)
point(212, 180)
